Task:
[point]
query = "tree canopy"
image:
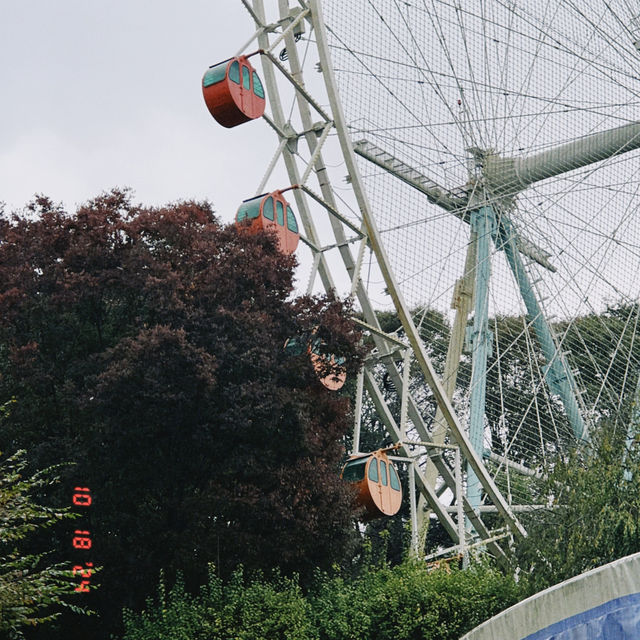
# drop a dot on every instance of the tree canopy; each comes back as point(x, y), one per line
point(403, 602)
point(593, 515)
point(32, 589)
point(146, 345)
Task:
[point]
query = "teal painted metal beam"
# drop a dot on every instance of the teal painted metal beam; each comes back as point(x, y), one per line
point(483, 222)
point(558, 375)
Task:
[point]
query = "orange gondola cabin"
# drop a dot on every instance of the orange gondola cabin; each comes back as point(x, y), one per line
point(329, 368)
point(332, 376)
point(233, 92)
point(270, 211)
point(377, 481)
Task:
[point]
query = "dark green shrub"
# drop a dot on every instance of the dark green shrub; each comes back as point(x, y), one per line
point(410, 601)
point(385, 603)
point(243, 609)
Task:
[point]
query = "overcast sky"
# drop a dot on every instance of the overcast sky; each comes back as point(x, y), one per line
point(98, 94)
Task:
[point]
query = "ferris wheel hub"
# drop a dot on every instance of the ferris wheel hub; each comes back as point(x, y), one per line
point(501, 177)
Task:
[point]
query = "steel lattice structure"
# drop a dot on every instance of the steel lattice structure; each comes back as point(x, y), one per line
point(490, 202)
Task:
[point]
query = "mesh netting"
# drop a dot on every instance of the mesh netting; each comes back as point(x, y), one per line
point(449, 87)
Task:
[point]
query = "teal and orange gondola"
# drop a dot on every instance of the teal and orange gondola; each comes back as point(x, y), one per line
point(270, 212)
point(377, 481)
point(233, 92)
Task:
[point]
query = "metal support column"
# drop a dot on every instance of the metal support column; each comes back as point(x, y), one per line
point(558, 375)
point(415, 550)
point(483, 223)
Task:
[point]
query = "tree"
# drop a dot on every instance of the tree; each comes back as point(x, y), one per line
point(147, 345)
point(386, 603)
point(607, 357)
point(33, 591)
point(593, 516)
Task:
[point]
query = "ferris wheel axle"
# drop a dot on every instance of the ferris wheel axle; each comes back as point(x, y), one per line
point(507, 176)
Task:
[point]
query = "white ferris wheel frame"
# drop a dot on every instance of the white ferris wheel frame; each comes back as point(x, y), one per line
point(315, 133)
point(487, 203)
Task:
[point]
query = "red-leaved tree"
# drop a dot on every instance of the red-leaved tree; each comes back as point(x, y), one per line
point(146, 345)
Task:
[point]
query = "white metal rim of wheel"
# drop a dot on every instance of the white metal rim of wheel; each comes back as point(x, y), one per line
point(432, 111)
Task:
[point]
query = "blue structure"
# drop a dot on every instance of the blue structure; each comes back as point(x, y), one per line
point(483, 223)
point(558, 375)
point(488, 225)
point(602, 604)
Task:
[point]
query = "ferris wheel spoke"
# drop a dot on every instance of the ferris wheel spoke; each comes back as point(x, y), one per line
point(435, 109)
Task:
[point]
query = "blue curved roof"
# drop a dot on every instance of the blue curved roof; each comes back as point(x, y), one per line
point(602, 604)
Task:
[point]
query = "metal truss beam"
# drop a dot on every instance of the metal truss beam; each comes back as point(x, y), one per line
point(338, 223)
point(457, 430)
point(455, 202)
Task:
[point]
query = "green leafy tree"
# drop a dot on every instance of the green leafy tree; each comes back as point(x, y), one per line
point(593, 516)
point(33, 591)
point(146, 344)
point(386, 603)
point(606, 353)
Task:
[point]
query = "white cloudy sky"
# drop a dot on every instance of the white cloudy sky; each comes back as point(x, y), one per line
point(97, 94)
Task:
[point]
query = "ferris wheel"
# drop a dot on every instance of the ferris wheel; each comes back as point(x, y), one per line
point(473, 168)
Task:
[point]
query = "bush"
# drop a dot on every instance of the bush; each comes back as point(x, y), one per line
point(593, 518)
point(404, 602)
point(409, 601)
point(244, 609)
point(33, 590)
